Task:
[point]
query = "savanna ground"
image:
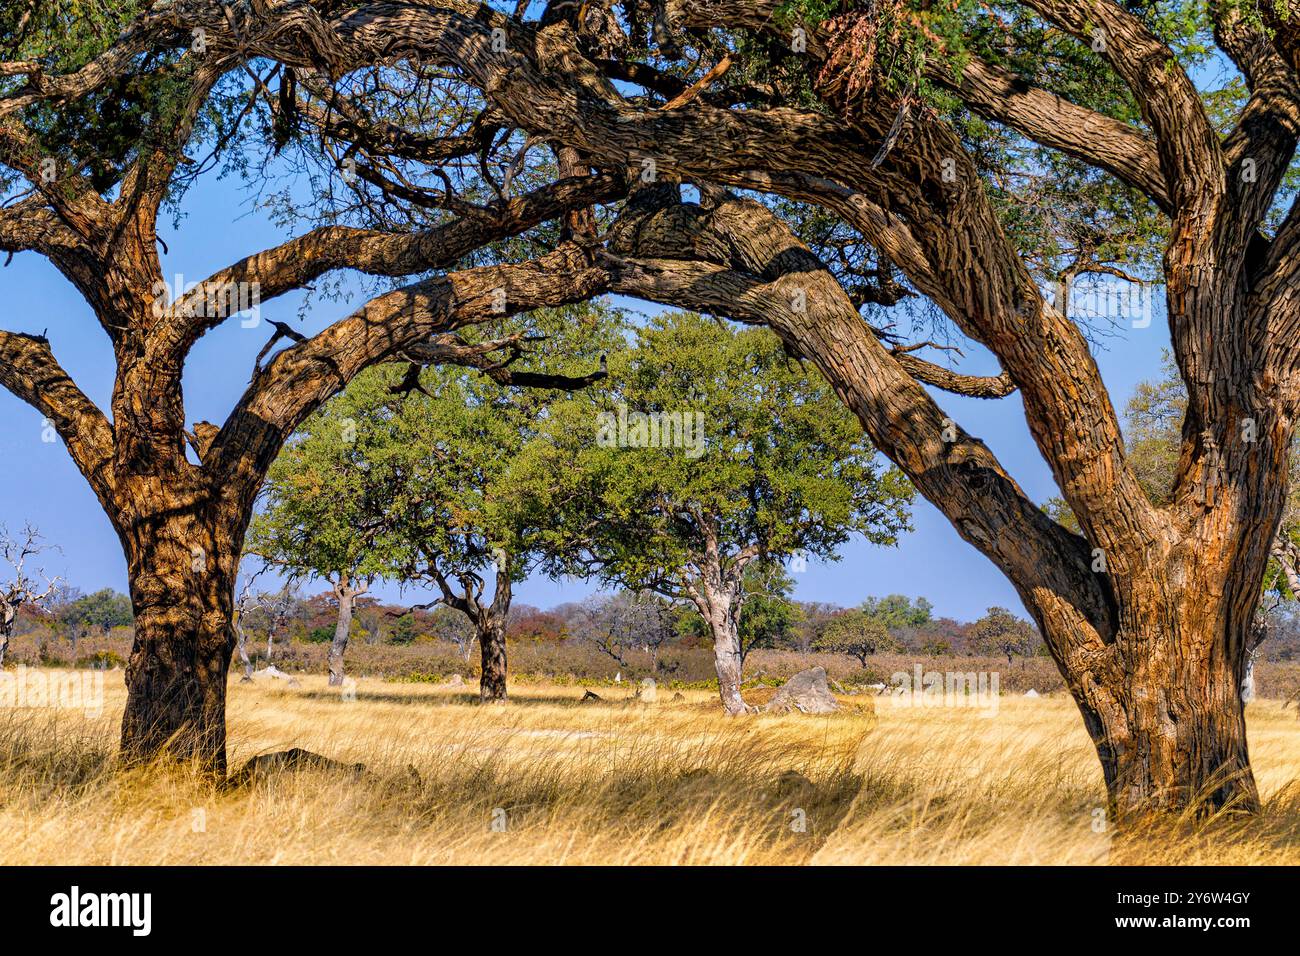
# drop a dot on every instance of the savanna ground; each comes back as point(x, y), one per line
point(547, 779)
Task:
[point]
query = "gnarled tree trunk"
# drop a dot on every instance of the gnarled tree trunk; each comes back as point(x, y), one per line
point(1166, 715)
point(182, 572)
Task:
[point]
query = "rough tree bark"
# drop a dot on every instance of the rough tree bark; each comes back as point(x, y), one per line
point(490, 626)
point(181, 522)
point(1147, 612)
point(492, 648)
point(181, 563)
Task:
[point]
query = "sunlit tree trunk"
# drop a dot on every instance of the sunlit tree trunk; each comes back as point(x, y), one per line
point(716, 596)
point(727, 661)
point(181, 565)
point(347, 596)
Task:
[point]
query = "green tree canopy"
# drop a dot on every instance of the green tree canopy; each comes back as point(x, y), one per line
point(710, 450)
point(857, 632)
point(1001, 632)
point(897, 610)
point(410, 474)
point(104, 610)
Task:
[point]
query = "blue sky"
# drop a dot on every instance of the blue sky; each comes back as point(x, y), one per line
point(39, 484)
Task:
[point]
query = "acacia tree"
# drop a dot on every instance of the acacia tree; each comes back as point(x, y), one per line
point(961, 155)
point(323, 509)
point(107, 115)
point(403, 475)
point(709, 453)
point(999, 631)
point(856, 632)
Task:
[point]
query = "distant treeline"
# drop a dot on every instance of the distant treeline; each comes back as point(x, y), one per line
point(627, 626)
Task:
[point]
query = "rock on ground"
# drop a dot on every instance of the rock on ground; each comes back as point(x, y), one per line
point(271, 671)
point(806, 692)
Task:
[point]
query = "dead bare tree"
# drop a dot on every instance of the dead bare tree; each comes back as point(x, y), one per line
point(22, 587)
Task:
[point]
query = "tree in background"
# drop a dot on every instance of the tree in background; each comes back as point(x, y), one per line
point(617, 624)
point(1001, 632)
point(245, 601)
point(104, 610)
point(441, 623)
point(709, 451)
point(897, 611)
point(324, 506)
point(273, 613)
point(371, 616)
point(858, 633)
point(529, 624)
point(76, 614)
point(404, 475)
point(814, 618)
point(21, 587)
point(404, 629)
point(771, 617)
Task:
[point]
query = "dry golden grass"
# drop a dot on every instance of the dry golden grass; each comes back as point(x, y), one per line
point(612, 783)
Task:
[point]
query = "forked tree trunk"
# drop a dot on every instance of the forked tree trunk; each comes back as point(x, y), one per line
point(492, 645)
point(182, 592)
point(347, 598)
point(489, 624)
point(1166, 714)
